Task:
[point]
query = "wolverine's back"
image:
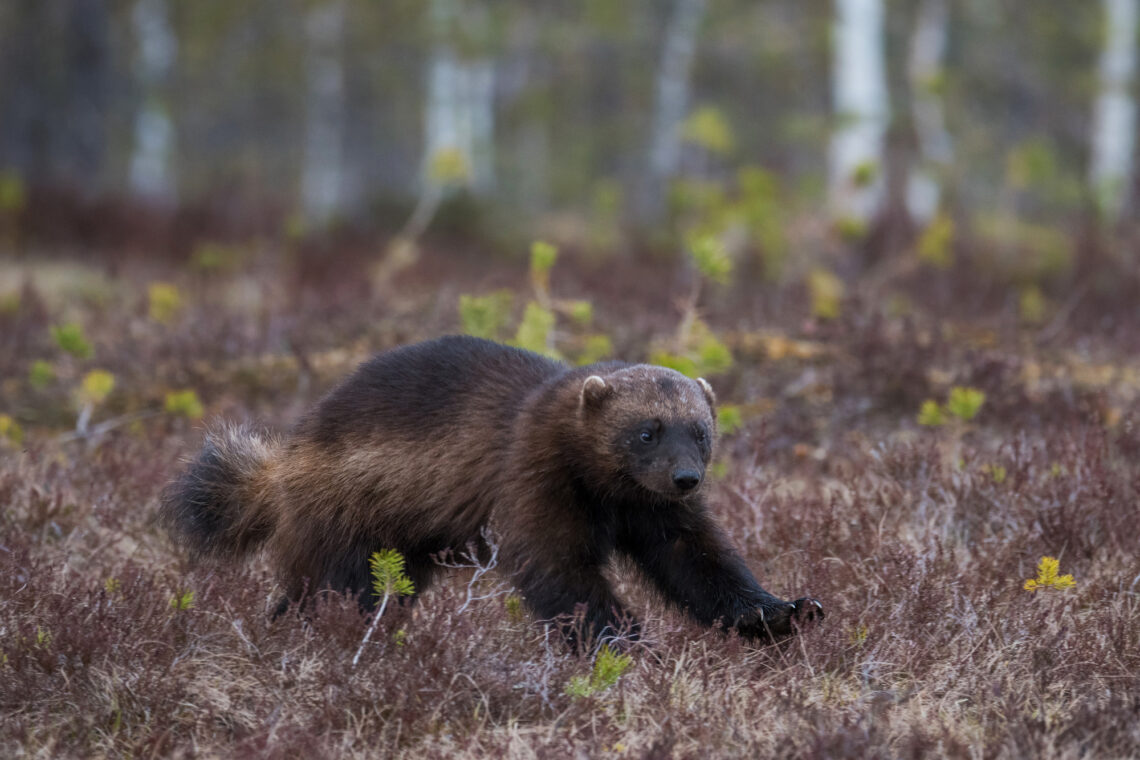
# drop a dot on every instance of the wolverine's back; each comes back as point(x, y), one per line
point(412, 391)
point(406, 453)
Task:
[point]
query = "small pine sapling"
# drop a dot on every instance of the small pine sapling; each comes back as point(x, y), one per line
point(388, 580)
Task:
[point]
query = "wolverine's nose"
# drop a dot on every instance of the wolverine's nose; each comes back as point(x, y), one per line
point(686, 480)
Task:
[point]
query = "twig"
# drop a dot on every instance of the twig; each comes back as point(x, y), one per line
point(82, 431)
point(1050, 331)
point(371, 628)
point(481, 569)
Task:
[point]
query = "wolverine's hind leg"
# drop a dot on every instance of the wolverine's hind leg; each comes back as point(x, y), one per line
point(351, 573)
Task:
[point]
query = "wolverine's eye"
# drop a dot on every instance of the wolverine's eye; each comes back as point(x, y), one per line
point(647, 436)
point(700, 435)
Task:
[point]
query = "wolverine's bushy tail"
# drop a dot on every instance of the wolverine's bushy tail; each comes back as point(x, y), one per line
point(221, 505)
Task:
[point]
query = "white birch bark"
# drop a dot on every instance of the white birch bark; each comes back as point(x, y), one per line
point(460, 113)
point(935, 148)
point(1114, 114)
point(861, 105)
point(673, 84)
point(150, 172)
point(322, 177)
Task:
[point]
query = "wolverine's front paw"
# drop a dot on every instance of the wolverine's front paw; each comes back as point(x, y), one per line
point(784, 618)
point(806, 610)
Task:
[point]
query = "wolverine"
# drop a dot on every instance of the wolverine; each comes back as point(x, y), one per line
point(426, 447)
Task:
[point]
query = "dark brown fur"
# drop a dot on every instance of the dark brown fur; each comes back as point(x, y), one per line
point(426, 445)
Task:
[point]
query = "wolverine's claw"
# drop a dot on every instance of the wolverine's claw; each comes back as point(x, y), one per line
point(806, 610)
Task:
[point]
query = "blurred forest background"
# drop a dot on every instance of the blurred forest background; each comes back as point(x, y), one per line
point(583, 121)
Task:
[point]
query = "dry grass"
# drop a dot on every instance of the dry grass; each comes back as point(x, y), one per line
point(916, 546)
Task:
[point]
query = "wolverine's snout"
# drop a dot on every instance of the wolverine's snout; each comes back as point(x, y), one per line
point(685, 479)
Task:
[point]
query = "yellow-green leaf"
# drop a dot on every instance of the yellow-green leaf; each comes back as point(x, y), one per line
point(709, 128)
point(71, 339)
point(964, 403)
point(96, 386)
point(164, 302)
point(1048, 577)
point(826, 293)
point(184, 403)
point(930, 414)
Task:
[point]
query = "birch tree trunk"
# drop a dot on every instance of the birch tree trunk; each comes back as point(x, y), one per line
point(861, 106)
point(1114, 115)
point(151, 173)
point(460, 115)
point(673, 82)
point(88, 59)
point(935, 148)
point(322, 177)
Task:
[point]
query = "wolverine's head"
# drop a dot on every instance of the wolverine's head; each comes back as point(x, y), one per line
point(657, 426)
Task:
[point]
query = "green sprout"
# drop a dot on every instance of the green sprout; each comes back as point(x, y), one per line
point(485, 316)
point(182, 601)
point(164, 302)
point(184, 403)
point(609, 666)
point(534, 330)
point(71, 339)
point(931, 414)
point(1047, 577)
point(964, 403)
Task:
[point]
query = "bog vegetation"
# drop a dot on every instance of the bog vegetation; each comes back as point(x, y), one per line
point(944, 454)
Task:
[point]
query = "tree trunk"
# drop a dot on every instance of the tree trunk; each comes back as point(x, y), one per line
point(322, 175)
point(935, 148)
point(460, 117)
point(89, 84)
point(151, 174)
point(862, 109)
point(673, 77)
point(1114, 115)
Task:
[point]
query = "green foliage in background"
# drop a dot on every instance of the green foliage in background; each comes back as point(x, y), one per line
point(711, 258)
point(184, 403)
point(753, 211)
point(963, 404)
point(210, 257)
point(182, 601)
point(1032, 308)
point(930, 415)
point(534, 330)
point(708, 127)
point(850, 229)
point(826, 291)
point(10, 430)
point(935, 243)
point(71, 338)
point(594, 348)
point(729, 418)
point(96, 387)
point(762, 208)
point(542, 258)
point(13, 192)
point(41, 374)
point(703, 353)
point(163, 302)
point(449, 167)
point(10, 302)
point(1020, 250)
point(489, 316)
point(864, 174)
point(486, 316)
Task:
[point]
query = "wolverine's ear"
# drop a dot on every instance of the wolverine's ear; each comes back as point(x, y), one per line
point(595, 391)
point(709, 395)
